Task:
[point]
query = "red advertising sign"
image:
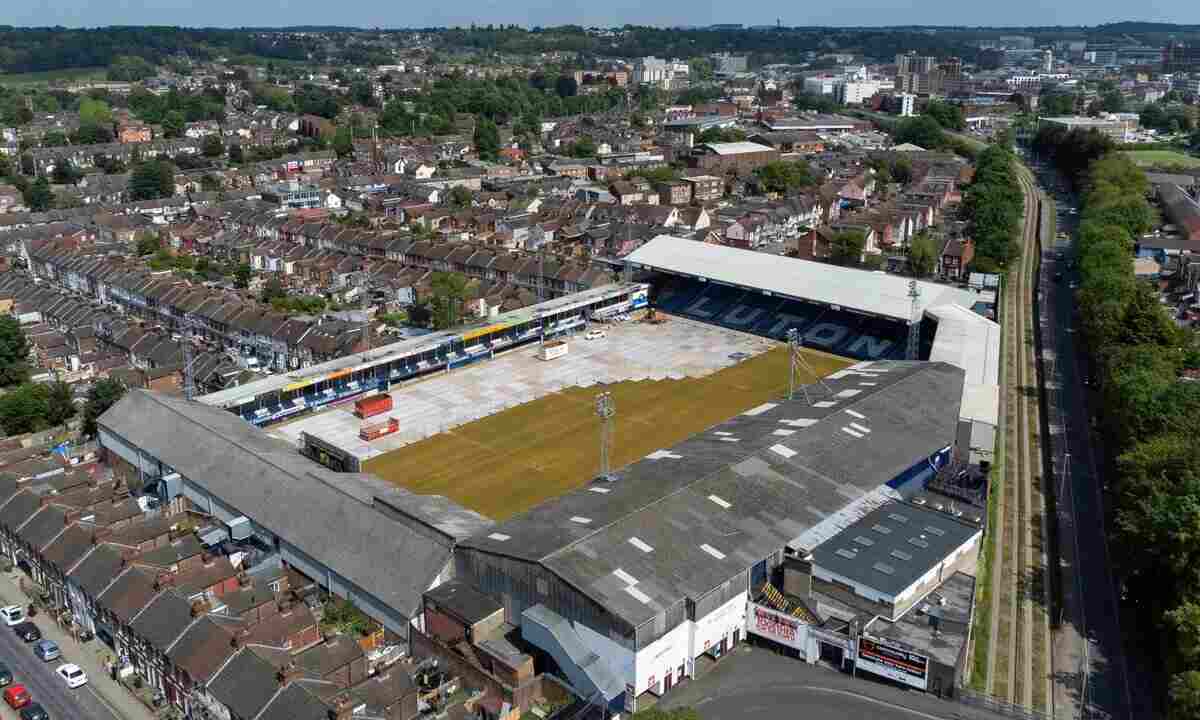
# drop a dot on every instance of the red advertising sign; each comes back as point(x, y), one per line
point(775, 626)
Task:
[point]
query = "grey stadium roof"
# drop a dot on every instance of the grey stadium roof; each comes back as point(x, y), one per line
point(892, 546)
point(680, 522)
point(302, 502)
point(875, 293)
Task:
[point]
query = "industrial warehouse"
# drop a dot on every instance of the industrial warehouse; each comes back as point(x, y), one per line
point(839, 524)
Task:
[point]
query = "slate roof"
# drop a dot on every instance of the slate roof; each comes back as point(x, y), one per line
point(129, 593)
point(245, 684)
point(202, 649)
point(295, 702)
point(267, 481)
point(163, 620)
point(97, 570)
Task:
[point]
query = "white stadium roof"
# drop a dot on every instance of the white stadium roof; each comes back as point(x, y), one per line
point(972, 342)
point(874, 293)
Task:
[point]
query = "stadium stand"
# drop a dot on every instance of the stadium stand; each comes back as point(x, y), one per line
point(841, 332)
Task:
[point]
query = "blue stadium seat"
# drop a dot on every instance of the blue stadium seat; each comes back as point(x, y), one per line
point(837, 331)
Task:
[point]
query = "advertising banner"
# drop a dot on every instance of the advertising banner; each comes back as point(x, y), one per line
point(893, 661)
point(777, 626)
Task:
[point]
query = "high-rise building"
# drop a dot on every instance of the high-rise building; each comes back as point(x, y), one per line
point(1179, 57)
point(911, 62)
point(1047, 61)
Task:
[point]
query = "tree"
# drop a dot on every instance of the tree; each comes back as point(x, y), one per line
point(846, 248)
point(923, 131)
point(273, 290)
point(55, 138)
point(656, 713)
point(94, 111)
point(174, 124)
point(947, 115)
point(151, 180)
point(922, 255)
point(781, 176)
point(65, 173)
point(93, 133)
point(565, 86)
point(449, 294)
point(236, 156)
point(343, 142)
point(460, 196)
point(147, 244)
point(60, 403)
point(584, 147)
point(39, 198)
point(14, 352)
point(103, 395)
point(212, 146)
point(27, 164)
point(23, 409)
point(210, 183)
point(487, 138)
point(241, 276)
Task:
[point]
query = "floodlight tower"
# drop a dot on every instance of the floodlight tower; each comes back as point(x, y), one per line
point(605, 410)
point(798, 364)
point(914, 321)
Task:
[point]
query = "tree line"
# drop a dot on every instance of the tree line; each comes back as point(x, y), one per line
point(993, 203)
point(1148, 416)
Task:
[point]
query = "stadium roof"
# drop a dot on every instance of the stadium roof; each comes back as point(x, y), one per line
point(893, 546)
point(873, 293)
point(681, 522)
point(737, 148)
point(404, 348)
point(293, 497)
point(972, 342)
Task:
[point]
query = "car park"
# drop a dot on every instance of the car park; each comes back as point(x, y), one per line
point(17, 697)
point(28, 632)
point(12, 614)
point(72, 675)
point(46, 650)
point(34, 711)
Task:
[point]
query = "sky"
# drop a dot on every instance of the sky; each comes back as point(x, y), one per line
point(430, 13)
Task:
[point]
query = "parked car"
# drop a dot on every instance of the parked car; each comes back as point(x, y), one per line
point(28, 632)
point(12, 614)
point(594, 335)
point(47, 650)
point(6, 677)
point(17, 696)
point(72, 675)
point(34, 711)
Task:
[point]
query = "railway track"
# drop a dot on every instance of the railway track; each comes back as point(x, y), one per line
point(1018, 670)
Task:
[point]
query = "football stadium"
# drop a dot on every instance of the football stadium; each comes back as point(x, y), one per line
point(795, 494)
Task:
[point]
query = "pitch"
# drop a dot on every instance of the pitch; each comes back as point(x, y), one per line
point(509, 462)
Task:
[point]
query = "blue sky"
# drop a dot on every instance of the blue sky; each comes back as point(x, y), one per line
point(416, 13)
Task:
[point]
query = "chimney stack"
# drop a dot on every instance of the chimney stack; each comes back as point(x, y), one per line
point(289, 672)
point(342, 708)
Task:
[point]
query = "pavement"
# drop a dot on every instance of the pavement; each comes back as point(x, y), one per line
point(631, 350)
point(100, 699)
point(755, 682)
point(1093, 674)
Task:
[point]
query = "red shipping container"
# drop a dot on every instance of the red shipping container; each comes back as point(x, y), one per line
point(375, 430)
point(371, 406)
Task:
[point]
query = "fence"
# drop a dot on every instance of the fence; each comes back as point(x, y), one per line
point(969, 697)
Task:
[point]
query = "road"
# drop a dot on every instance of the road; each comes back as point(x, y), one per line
point(47, 688)
point(1090, 636)
point(753, 682)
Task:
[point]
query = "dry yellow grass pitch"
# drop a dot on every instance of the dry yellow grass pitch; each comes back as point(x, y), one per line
point(505, 464)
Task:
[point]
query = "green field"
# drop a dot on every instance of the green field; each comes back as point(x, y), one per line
point(49, 76)
point(1166, 158)
point(505, 464)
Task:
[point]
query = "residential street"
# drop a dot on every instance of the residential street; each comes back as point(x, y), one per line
point(100, 699)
